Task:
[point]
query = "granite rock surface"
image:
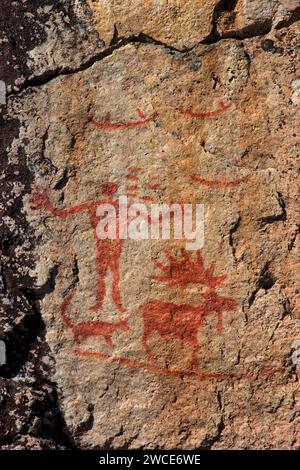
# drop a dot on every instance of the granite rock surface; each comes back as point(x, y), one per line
point(150, 343)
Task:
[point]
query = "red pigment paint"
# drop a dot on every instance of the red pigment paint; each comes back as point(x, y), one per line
point(132, 188)
point(110, 126)
point(201, 376)
point(218, 183)
point(171, 320)
point(186, 271)
point(108, 252)
point(223, 107)
point(166, 318)
point(134, 169)
point(141, 114)
point(132, 178)
point(153, 186)
point(90, 329)
point(184, 321)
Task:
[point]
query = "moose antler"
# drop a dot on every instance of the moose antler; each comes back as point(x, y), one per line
point(187, 271)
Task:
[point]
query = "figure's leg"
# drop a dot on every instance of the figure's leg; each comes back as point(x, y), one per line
point(102, 266)
point(77, 338)
point(108, 340)
point(115, 269)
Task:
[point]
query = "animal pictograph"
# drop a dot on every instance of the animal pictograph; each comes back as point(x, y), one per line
point(184, 321)
point(168, 319)
point(90, 329)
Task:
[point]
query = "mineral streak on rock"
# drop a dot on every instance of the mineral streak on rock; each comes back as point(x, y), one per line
point(142, 343)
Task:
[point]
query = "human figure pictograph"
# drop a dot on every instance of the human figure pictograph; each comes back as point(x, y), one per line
point(108, 252)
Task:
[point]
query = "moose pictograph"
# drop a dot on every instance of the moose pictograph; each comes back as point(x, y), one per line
point(184, 321)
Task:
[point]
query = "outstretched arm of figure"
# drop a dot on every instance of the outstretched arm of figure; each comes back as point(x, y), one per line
point(40, 200)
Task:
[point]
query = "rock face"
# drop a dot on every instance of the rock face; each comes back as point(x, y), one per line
point(150, 343)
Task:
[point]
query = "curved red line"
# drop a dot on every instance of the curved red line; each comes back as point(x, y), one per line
point(132, 178)
point(218, 183)
point(209, 114)
point(202, 376)
point(134, 169)
point(115, 126)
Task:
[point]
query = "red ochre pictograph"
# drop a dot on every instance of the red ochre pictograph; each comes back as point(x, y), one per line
point(184, 321)
point(167, 319)
point(217, 184)
point(108, 252)
point(223, 107)
point(110, 126)
point(90, 329)
point(195, 375)
point(173, 320)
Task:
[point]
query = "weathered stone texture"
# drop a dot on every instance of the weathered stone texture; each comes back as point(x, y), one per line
point(194, 102)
